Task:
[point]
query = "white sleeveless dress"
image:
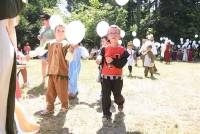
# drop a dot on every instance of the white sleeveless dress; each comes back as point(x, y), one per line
point(6, 63)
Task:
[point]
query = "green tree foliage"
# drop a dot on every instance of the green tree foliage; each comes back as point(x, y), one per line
point(29, 25)
point(178, 18)
point(171, 18)
point(94, 12)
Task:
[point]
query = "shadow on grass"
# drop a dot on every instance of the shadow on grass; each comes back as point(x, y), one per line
point(115, 127)
point(157, 73)
point(37, 91)
point(153, 78)
point(98, 106)
point(138, 77)
point(134, 77)
point(53, 124)
point(73, 102)
point(135, 132)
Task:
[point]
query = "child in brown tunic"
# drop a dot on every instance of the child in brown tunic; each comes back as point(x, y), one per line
point(148, 61)
point(57, 72)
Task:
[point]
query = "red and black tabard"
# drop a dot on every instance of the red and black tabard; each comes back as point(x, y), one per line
point(115, 53)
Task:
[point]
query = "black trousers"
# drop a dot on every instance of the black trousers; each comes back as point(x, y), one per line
point(130, 69)
point(148, 69)
point(115, 86)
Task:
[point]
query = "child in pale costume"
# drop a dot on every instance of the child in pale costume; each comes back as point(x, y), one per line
point(130, 58)
point(57, 72)
point(185, 54)
point(142, 50)
point(148, 61)
point(151, 42)
point(74, 68)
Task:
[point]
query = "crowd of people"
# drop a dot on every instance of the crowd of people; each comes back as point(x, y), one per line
point(187, 52)
point(63, 62)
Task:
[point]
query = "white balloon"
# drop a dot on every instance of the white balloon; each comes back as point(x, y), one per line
point(121, 2)
point(134, 33)
point(196, 36)
point(119, 42)
point(84, 52)
point(75, 32)
point(122, 33)
point(157, 44)
point(181, 39)
point(102, 28)
point(25, 1)
point(136, 42)
point(55, 20)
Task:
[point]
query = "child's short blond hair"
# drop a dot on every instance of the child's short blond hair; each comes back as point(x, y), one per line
point(60, 25)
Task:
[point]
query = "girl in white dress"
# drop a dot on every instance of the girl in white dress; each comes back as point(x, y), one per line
point(130, 58)
point(185, 55)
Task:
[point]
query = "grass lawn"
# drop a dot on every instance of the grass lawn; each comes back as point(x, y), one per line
point(168, 104)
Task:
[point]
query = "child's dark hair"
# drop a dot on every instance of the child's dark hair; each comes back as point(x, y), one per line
point(104, 37)
point(149, 46)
